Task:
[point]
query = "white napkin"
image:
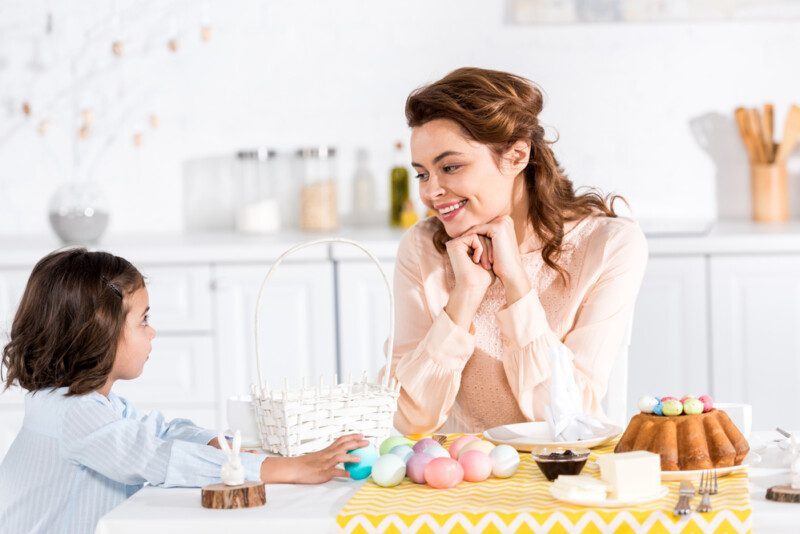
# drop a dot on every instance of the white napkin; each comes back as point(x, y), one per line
point(565, 415)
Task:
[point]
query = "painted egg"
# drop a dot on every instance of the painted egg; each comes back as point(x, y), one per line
point(403, 451)
point(423, 444)
point(665, 399)
point(672, 407)
point(415, 467)
point(477, 466)
point(443, 473)
point(693, 406)
point(393, 441)
point(478, 445)
point(361, 470)
point(505, 461)
point(437, 451)
point(459, 442)
point(657, 409)
point(646, 404)
point(388, 470)
point(708, 402)
point(687, 397)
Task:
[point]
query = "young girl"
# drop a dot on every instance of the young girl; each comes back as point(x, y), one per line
point(82, 450)
point(515, 263)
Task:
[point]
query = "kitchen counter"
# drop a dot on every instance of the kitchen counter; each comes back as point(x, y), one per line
point(723, 237)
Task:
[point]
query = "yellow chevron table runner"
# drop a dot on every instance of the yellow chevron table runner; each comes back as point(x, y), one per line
point(523, 503)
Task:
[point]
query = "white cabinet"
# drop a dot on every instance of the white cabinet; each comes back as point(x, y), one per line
point(180, 297)
point(363, 316)
point(755, 332)
point(297, 324)
point(179, 377)
point(669, 344)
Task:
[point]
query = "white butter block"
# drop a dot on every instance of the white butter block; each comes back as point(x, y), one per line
point(631, 475)
point(580, 488)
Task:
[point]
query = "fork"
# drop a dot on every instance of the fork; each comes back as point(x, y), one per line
point(685, 494)
point(708, 487)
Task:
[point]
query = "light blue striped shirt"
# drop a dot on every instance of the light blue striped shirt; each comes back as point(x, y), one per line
point(78, 457)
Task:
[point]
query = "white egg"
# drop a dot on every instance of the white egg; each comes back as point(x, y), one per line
point(437, 451)
point(646, 404)
point(505, 461)
point(388, 470)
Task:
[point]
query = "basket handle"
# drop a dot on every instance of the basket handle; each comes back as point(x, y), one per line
point(318, 242)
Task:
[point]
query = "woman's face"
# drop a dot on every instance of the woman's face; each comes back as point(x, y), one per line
point(460, 179)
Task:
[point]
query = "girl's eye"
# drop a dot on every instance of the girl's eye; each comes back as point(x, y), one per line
point(146, 320)
point(421, 176)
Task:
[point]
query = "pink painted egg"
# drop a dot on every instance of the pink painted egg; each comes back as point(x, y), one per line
point(708, 402)
point(423, 444)
point(443, 473)
point(455, 447)
point(477, 466)
point(665, 399)
point(415, 467)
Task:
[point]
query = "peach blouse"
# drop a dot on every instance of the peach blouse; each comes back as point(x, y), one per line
point(456, 381)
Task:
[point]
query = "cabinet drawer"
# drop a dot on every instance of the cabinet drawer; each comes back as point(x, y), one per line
point(179, 373)
point(180, 298)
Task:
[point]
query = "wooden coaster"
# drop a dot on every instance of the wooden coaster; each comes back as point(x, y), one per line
point(247, 495)
point(783, 494)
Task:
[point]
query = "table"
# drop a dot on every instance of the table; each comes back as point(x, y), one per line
point(300, 508)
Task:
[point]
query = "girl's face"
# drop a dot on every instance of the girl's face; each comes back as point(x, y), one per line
point(460, 179)
point(134, 346)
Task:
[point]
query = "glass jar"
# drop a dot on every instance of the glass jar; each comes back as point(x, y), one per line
point(257, 207)
point(316, 168)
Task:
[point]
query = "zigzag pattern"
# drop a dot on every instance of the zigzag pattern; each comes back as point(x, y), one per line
point(523, 503)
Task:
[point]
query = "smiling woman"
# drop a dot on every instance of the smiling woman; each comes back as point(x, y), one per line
point(514, 264)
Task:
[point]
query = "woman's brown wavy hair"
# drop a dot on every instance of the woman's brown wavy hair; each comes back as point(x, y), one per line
point(70, 319)
point(497, 109)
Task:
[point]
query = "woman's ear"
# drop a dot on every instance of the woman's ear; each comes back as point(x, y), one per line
point(517, 156)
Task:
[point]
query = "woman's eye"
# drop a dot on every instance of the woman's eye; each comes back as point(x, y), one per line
point(146, 320)
point(421, 176)
point(451, 168)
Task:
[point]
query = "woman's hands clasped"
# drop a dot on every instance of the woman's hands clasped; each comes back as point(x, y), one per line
point(482, 253)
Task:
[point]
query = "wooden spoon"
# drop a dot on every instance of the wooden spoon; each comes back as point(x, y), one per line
point(791, 134)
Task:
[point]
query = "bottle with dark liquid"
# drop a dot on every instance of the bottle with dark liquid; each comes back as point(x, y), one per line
point(399, 187)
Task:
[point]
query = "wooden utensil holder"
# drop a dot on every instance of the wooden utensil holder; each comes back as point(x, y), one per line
point(770, 192)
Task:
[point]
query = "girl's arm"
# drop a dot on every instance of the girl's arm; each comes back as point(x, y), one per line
point(430, 350)
point(596, 337)
point(182, 429)
point(130, 451)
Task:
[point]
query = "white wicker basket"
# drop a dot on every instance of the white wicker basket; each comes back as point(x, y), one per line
point(296, 421)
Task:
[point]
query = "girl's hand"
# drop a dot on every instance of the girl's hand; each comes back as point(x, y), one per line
point(316, 467)
point(506, 261)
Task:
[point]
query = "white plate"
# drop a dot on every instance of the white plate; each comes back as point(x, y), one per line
point(528, 436)
point(670, 476)
point(610, 503)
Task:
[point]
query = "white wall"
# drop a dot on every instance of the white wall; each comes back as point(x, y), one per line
point(623, 97)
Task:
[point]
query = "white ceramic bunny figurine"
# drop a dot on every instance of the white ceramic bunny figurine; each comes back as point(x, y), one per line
point(232, 473)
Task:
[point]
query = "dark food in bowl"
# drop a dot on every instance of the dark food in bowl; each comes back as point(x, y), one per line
point(555, 462)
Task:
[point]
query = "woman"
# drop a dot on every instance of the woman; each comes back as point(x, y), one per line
point(513, 264)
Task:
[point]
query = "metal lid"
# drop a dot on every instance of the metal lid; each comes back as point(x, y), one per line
point(321, 152)
point(261, 153)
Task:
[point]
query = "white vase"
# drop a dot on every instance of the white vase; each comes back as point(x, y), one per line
point(79, 212)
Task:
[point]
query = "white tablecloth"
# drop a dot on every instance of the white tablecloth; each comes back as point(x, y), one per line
point(301, 508)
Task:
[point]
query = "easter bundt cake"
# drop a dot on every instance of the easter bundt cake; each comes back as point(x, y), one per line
point(687, 440)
